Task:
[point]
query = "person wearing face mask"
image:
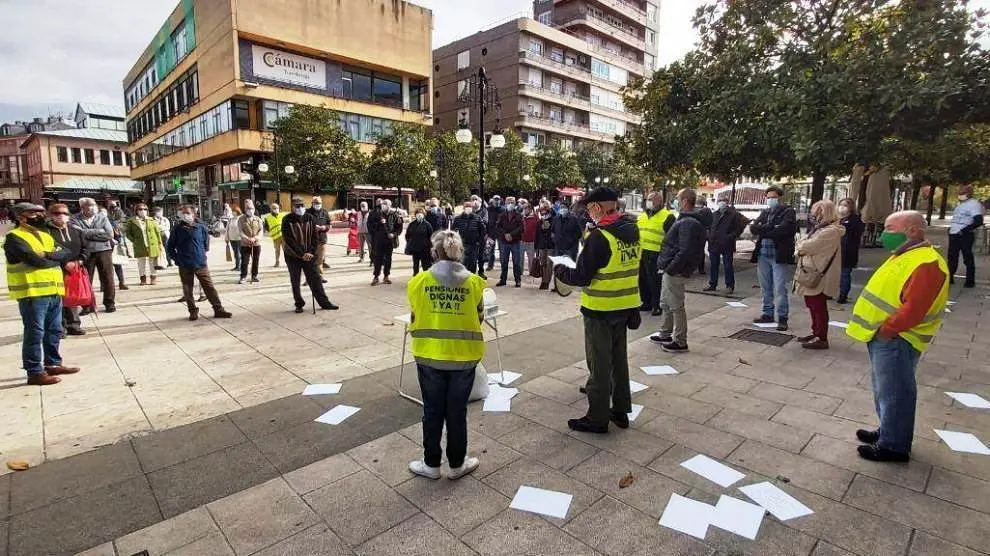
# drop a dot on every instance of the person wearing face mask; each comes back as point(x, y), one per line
point(273, 225)
point(34, 281)
point(71, 240)
point(531, 222)
point(115, 213)
point(165, 227)
point(472, 231)
point(567, 229)
point(436, 216)
point(727, 225)
point(608, 272)
point(774, 231)
point(851, 241)
point(491, 217)
point(653, 224)
point(250, 227)
point(819, 269)
point(364, 238)
point(967, 217)
point(146, 240)
point(544, 243)
point(897, 316)
point(233, 237)
point(418, 245)
point(385, 230)
point(301, 243)
point(510, 231)
point(321, 219)
point(99, 252)
point(188, 246)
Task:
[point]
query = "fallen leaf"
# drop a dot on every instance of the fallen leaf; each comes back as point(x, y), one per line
point(17, 465)
point(627, 480)
point(389, 324)
point(744, 362)
point(783, 479)
point(130, 383)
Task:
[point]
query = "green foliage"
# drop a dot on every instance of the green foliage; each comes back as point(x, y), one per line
point(505, 168)
point(457, 167)
point(594, 162)
point(959, 155)
point(555, 167)
point(325, 157)
point(403, 158)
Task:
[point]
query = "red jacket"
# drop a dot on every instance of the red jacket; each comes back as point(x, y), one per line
point(530, 225)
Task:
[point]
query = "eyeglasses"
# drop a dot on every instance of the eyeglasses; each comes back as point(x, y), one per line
point(61, 214)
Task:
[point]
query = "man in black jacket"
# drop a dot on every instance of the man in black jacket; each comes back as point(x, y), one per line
point(727, 225)
point(774, 229)
point(321, 219)
point(300, 241)
point(435, 215)
point(71, 240)
point(509, 232)
point(472, 231)
point(567, 230)
point(384, 230)
point(683, 247)
point(491, 216)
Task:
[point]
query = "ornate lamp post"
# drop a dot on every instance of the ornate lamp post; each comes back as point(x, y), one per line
point(482, 92)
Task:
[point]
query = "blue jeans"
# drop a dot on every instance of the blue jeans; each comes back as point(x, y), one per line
point(730, 273)
point(845, 283)
point(505, 250)
point(895, 392)
point(235, 246)
point(42, 318)
point(445, 398)
point(775, 278)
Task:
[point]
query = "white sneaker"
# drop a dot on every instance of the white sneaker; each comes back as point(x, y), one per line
point(469, 465)
point(660, 338)
point(420, 468)
point(241, 281)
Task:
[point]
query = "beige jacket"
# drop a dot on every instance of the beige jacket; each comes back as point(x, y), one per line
point(814, 253)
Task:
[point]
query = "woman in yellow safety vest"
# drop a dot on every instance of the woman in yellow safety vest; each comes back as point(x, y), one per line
point(448, 344)
point(273, 223)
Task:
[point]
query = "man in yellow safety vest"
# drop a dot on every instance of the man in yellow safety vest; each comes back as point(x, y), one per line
point(34, 278)
point(897, 316)
point(653, 225)
point(273, 223)
point(608, 272)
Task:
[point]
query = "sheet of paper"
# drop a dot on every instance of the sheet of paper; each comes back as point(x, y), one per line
point(722, 475)
point(736, 304)
point(970, 400)
point(564, 260)
point(637, 409)
point(496, 391)
point(543, 502)
point(510, 377)
point(687, 516)
point(838, 324)
point(963, 442)
point(660, 370)
point(497, 405)
point(337, 415)
point(765, 324)
point(321, 389)
point(403, 319)
point(947, 310)
point(782, 505)
point(737, 516)
point(636, 386)
point(950, 303)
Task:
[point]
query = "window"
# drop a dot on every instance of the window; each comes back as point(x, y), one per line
point(649, 60)
point(557, 54)
point(463, 60)
point(118, 158)
point(419, 95)
point(535, 77)
point(567, 144)
point(62, 153)
point(544, 18)
point(387, 91)
point(104, 157)
point(361, 86)
point(462, 88)
point(556, 86)
point(536, 46)
point(242, 117)
point(90, 156)
point(76, 155)
point(556, 114)
point(651, 12)
point(651, 37)
point(599, 68)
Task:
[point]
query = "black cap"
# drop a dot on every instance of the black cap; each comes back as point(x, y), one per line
point(601, 195)
point(298, 202)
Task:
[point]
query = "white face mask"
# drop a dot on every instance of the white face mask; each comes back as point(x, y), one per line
point(187, 217)
point(142, 213)
point(158, 214)
point(964, 197)
point(317, 206)
point(299, 211)
point(722, 205)
point(843, 210)
point(649, 205)
point(249, 212)
point(468, 210)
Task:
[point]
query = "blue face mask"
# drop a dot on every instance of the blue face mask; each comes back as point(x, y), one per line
point(772, 202)
point(675, 204)
point(563, 212)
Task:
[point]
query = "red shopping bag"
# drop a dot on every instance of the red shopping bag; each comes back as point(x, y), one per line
point(78, 289)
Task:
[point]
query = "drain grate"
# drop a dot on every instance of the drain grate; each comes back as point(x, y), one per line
point(762, 337)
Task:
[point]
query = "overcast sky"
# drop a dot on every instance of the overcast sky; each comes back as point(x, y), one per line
point(54, 53)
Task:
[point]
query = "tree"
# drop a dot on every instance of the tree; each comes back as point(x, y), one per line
point(325, 157)
point(402, 158)
point(505, 168)
point(594, 162)
point(457, 167)
point(554, 167)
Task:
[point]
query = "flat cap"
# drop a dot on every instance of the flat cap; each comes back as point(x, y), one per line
point(26, 207)
point(601, 195)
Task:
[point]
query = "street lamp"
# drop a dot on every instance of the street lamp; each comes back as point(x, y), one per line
point(481, 91)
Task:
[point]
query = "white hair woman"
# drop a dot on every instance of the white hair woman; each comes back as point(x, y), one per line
point(447, 343)
point(819, 269)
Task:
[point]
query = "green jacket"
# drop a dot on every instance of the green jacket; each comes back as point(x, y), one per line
point(144, 247)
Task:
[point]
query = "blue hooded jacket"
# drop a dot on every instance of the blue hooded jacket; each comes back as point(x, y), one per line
point(188, 245)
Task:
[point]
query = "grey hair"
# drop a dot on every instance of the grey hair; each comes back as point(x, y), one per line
point(447, 246)
point(85, 201)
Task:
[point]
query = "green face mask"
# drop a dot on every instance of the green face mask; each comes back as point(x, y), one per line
point(892, 240)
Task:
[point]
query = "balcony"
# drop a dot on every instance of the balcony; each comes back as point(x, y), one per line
point(585, 17)
point(619, 59)
point(625, 8)
point(549, 64)
point(615, 113)
point(575, 101)
point(576, 129)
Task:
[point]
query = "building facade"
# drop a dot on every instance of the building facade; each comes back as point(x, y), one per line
point(13, 168)
point(202, 96)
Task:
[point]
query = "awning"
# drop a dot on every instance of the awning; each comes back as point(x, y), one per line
point(99, 184)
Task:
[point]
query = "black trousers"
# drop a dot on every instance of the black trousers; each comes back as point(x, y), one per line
point(649, 280)
point(250, 254)
point(445, 398)
point(471, 258)
point(103, 261)
point(962, 243)
point(423, 259)
point(297, 267)
point(608, 364)
point(383, 259)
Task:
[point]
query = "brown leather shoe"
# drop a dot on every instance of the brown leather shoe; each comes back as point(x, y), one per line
point(62, 370)
point(817, 343)
point(43, 379)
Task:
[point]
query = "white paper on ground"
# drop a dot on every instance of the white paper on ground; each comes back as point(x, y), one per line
point(737, 516)
point(687, 516)
point(736, 304)
point(782, 505)
point(497, 405)
point(510, 377)
point(496, 391)
point(543, 502)
point(947, 310)
point(970, 400)
point(636, 387)
point(660, 370)
point(321, 389)
point(963, 442)
point(950, 303)
point(564, 260)
point(636, 410)
point(765, 324)
point(838, 324)
point(722, 475)
point(337, 415)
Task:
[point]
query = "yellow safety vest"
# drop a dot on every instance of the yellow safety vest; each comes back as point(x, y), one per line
point(616, 286)
point(446, 329)
point(882, 297)
point(274, 225)
point(25, 281)
point(651, 232)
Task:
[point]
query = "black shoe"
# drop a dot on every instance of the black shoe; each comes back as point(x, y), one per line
point(620, 419)
point(180, 300)
point(660, 338)
point(710, 288)
point(674, 347)
point(868, 437)
point(817, 343)
point(299, 309)
point(75, 332)
point(644, 308)
point(326, 266)
point(969, 285)
point(500, 283)
point(482, 276)
point(324, 280)
point(730, 290)
point(110, 309)
point(202, 298)
point(123, 287)
point(656, 312)
point(85, 311)
point(782, 325)
point(329, 307)
point(842, 300)
point(586, 425)
point(543, 287)
point(763, 319)
point(518, 284)
point(807, 338)
point(157, 267)
point(194, 314)
point(221, 314)
point(873, 452)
